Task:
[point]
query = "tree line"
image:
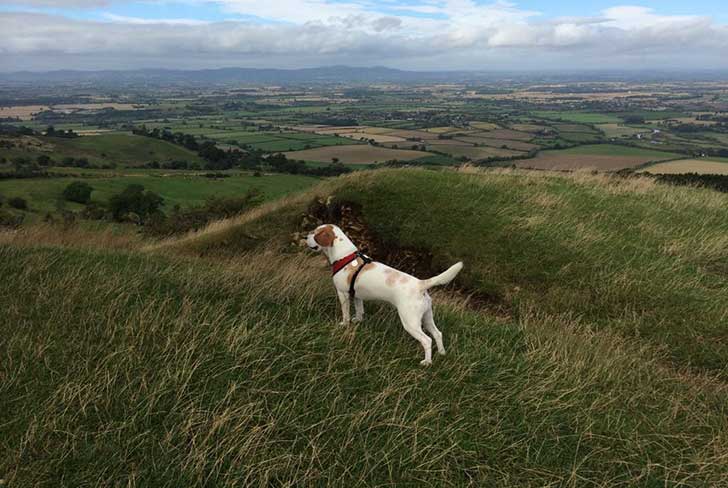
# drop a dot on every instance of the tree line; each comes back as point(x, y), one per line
point(216, 159)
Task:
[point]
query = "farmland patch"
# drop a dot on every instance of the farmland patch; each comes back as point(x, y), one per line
point(699, 166)
point(603, 157)
point(475, 153)
point(356, 154)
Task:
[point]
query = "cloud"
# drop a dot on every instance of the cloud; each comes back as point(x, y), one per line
point(57, 3)
point(139, 21)
point(460, 34)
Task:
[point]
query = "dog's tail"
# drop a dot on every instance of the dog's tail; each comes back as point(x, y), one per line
point(443, 278)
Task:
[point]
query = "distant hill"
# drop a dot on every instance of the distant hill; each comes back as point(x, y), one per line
point(248, 75)
point(336, 74)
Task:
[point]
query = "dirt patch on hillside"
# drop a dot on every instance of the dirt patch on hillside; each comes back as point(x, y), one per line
point(417, 262)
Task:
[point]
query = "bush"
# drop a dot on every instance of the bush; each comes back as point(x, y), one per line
point(18, 203)
point(78, 191)
point(93, 211)
point(44, 160)
point(136, 202)
point(9, 220)
point(181, 221)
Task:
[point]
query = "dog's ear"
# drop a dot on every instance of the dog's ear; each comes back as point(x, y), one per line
point(325, 237)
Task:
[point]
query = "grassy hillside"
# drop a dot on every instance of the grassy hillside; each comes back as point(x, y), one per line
point(162, 368)
point(124, 369)
point(119, 148)
point(644, 260)
point(178, 188)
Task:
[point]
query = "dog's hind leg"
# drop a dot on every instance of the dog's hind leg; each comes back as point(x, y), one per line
point(429, 322)
point(412, 321)
point(345, 308)
point(359, 309)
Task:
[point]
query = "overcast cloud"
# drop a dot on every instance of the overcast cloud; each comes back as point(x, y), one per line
point(434, 34)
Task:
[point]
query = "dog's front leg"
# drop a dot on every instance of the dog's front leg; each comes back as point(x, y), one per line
point(345, 312)
point(359, 309)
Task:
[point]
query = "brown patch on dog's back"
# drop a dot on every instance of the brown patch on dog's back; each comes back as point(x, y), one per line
point(391, 276)
point(394, 276)
point(325, 237)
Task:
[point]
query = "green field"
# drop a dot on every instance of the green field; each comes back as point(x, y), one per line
point(575, 116)
point(588, 354)
point(280, 141)
point(582, 137)
point(122, 149)
point(620, 130)
point(183, 189)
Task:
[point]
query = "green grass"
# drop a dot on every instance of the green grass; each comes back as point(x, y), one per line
point(127, 149)
point(654, 114)
point(125, 369)
point(642, 260)
point(282, 145)
point(244, 137)
point(184, 190)
point(580, 137)
point(122, 149)
point(575, 116)
point(435, 160)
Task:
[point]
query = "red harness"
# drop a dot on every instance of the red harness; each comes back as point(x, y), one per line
point(341, 263)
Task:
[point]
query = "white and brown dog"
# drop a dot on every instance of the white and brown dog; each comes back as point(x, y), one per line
point(357, 277)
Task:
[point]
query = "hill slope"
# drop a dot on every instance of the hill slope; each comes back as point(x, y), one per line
point(644, 260)
point(126, 369)
point(119, 148)
point(159, 369)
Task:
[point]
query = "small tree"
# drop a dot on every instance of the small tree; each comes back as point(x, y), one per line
point(78, 191)
point(44, 160)
point(134, 200)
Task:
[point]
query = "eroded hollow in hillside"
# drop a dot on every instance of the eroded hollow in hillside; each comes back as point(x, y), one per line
point(415, 261)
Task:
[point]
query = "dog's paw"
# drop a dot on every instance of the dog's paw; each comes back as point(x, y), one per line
point(357, 320)
point(425, 362)
point(343, 323)
point(441, 352)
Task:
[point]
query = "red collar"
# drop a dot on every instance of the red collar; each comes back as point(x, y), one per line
point(341, 263)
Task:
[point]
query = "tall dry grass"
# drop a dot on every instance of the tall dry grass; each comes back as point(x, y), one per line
point(122, 369)
point(72, 236)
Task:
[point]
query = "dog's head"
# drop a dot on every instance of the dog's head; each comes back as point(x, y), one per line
point(323, 237)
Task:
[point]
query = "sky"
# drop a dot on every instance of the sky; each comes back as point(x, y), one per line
point(42, 35)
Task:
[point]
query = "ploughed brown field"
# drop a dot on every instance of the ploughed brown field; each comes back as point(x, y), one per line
point(682, 166)
point(355, 154)
point(509, 134)
point(26, 112)
point(474, 153)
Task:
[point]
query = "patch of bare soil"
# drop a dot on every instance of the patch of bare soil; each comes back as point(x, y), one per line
point(417, 262)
